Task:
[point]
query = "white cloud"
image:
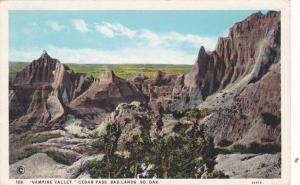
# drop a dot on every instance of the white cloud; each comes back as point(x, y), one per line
point(171, 39)
point(133, 55)
point(168, 39)
point(105, 31)
point(152, 38)
point(115, 29)
point(81, 25)
point(55, 26)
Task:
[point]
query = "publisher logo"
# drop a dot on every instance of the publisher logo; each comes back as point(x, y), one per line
point(21, 170)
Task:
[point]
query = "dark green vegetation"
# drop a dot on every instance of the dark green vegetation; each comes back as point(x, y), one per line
point(179, 154)
point(62, 158)
point(18, 147)
point(14, 157)
point(122, 70)
point(253, 148)
point(270, 119)
point(196, 114)
point(31, 138)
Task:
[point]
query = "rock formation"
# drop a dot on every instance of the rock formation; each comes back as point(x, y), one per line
point(41, 91)
point(233, 93)
point(245, 55)
point(103, 96)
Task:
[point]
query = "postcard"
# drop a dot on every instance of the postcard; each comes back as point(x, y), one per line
point(145, 92)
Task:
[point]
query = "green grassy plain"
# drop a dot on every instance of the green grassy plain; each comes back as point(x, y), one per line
point(122, 70)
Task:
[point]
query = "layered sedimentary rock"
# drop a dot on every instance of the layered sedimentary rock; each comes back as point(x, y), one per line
point(41, 91)
point(239, 83)
point(252, 116)
point(245, 55)
point(102, 97)
point(158, 89)
point(235, 88)
point(248, 110)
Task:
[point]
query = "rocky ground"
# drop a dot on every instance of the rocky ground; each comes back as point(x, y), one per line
point(232, 92)
point(250, 165)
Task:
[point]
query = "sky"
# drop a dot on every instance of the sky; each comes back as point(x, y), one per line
point(114, 37)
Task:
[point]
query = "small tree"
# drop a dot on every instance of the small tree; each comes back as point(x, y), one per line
point(107, 143)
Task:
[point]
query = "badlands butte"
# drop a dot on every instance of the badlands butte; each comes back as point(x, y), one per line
point(221, 120)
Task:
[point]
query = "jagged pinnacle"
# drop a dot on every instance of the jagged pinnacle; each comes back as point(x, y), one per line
point(201, 51)
point(44, 54)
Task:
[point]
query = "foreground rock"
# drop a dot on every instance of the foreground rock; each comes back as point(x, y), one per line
point(40, 165)
point(250, 165)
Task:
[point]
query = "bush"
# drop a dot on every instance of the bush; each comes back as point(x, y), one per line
point(177, 114)
point(264, 148)
point(196, 114)
point(16, 148)
point(224, 143)
point(39, 138)
point(61, 157)
point(254, 148)
point(234, 148)
point(21, 155)
point(175, 155)
point(270, 119)
point(31, 138)
point(115, 167)
point(178, 155)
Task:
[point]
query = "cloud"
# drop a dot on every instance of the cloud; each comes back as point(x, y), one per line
point(132, 55)
point(105, 31)
point(115, 29)
point(167, 39)
point(55, 26)
point(81, 25)
point(152, 38)
point(172, 39)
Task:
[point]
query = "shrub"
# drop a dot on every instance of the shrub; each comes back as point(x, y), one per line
point(224, 143)
point(177, 114)
point(39, 138)
point(61, 157)
point(21, 155)
point(175, 155)
point(16, 148)
point(238, 148)
point(254, 148)
point(31, 138)
point(264, 148)
point(196, 113)
point(270, 119)
point(114, 167)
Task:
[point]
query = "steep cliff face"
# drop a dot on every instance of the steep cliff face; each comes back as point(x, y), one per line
point(253, 116)
point(246, 54)
point(41, 91)
point(247, 110)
